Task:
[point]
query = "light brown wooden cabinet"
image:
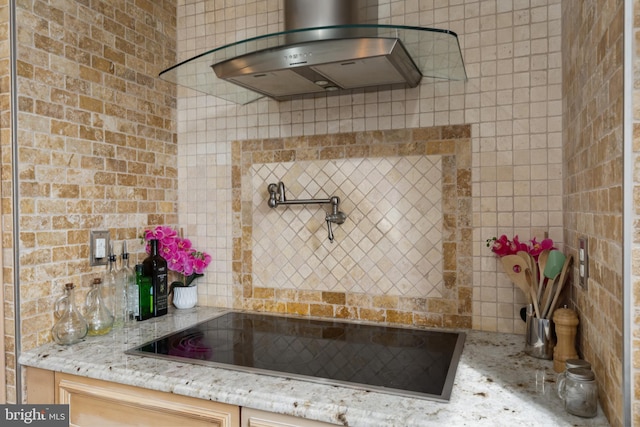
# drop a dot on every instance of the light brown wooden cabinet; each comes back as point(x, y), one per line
point(255, 418)
point(101, 403)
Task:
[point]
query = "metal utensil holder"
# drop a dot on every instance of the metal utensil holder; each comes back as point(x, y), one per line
point(539, 336)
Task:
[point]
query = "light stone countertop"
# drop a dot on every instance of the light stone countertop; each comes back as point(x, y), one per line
point(496, 383)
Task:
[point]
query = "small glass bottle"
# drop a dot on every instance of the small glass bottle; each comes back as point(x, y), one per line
point(113, 292)
point(145, 294)
point(155, 267)
point(128, 276)
point(71, 326)
point(579, 391)
point(98, 315)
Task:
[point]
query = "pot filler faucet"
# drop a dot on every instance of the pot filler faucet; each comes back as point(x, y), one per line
point(278, 197)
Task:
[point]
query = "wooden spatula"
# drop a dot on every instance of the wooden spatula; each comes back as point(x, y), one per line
point(515, 267)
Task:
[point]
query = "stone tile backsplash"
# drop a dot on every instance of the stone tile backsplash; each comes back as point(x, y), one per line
point(96, 147)
point(512, 102)
point(402, 256)
point(390, 244)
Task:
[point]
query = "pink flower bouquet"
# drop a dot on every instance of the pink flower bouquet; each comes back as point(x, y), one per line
point(516, 256)
point(503, 246)
point(177, 251)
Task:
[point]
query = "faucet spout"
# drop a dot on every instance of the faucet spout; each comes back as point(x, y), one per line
point(330, 231)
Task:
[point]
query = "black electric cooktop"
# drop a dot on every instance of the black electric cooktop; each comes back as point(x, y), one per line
point(409, 362)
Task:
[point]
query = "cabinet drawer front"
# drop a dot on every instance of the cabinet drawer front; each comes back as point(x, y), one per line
point(256, 418)
point(99, 403)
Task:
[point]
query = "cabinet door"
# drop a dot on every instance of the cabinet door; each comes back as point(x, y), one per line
point(255, 418)
point(101, 403)
point(41, 386)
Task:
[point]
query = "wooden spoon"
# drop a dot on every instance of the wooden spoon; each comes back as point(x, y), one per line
point(532, 290)
point(517, 275)
point(563, 277)
point(531, 263)
point(547, 295)
point(542, 263)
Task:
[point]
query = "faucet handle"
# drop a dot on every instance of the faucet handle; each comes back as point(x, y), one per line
point(273, 202)
point(336, 217)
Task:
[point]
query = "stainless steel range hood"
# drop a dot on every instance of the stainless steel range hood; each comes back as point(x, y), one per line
point(312, 58)
point(321, 66)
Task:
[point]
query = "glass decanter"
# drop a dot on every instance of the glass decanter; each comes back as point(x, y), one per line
point(71, 327)
point(98, 316)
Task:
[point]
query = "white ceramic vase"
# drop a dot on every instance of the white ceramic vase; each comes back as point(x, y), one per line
point(185, 297)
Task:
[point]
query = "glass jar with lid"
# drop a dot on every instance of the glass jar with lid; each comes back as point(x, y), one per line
point(569, 364)
point(579, 391)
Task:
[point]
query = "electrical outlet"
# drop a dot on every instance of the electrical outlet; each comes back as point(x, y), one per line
point(583, 261)
point(99, 247)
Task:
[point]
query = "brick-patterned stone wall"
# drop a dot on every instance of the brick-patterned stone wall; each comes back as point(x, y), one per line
point(592, 140)
point(97, 142)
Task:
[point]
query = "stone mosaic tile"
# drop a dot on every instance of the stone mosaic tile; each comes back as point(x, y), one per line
point(404, 258)
point(391, 243)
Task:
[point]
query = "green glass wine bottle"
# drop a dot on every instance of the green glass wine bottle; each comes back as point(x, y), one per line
point(155, 267)
point(145, 294)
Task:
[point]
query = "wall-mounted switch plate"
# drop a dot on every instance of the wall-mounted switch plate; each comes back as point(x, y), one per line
point(583, 261)
point(99, 247)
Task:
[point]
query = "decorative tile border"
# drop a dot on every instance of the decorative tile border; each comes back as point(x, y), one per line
point(453, 143)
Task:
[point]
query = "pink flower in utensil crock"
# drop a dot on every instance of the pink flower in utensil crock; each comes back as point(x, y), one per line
point(537, 247)
point(501, 246)
point(517, 246)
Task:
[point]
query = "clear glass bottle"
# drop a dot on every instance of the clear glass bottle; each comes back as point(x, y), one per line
point(114, 292)
point(71, 327)
point(128, 276)
point(155, 267)
point(98, 316)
